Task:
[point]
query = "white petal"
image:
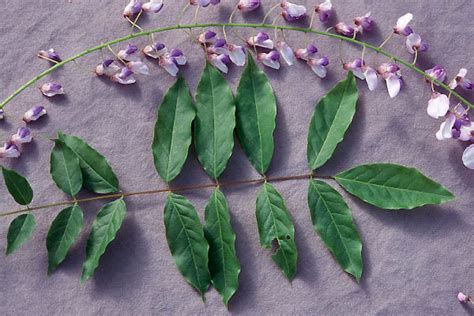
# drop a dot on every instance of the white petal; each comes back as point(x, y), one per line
point(468, 157)
point(237, 56)
point(271, 63)
point(446, 128)
point(219, 64)
point(296, 10)
point(127, 80)
point(180, 60)
point(138, 67)
point(393, 85)
point(171, 68)
point(358, 73)
point(466, 132)
point(319, 70)
point(287, 53)
point(438, 106)
point(413, 40)
point(153, 6)
point(371, 78)
point(266, 44)
point(403, 21)
point(462, 72)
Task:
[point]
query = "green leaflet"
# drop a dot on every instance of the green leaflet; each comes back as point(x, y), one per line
point(331, 119)
point(97, 174)
point(332, 220)
point(256, 113)
point(173, 131)
point(215, 121)
point(62, 234)
point(65, 169)
point(21, 229)
point(186, 241)
point(391, 186)
point(104, 229)
point(275, 228)
point(18, 186)
point(224, 265)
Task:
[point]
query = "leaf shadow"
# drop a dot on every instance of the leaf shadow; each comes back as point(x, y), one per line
point(307, 261)
point(282, 149)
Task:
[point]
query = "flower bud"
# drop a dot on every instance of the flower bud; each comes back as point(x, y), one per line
point(324, 10)
point(364, 23)
point(132, 9)
point(51, 89)
point(34, 113)
point(22, 136)
point(9, 150)
point(292, 12)
point(248, 5)
point(344, 29)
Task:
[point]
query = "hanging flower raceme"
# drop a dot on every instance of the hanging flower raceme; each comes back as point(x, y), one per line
point(402, 27)
point(261, 40)
point(438, 105)
point(248, 5)
point(415, 43)
point(437, 73)
point(155, 51)
point(153, 6)
point(318, 66)
point(364, 23)
point(107, 68)
point(286, 52)
point(393, 78)
point(292, 12)
point(324, 10)
point(9, 150)
point(51, 89)
point(22, 136)
point(344, 29)
point(208, 37)
point(50, 55)
point(132, 9)
point(221, 62)
point(271, 59)
point(461, 81)
point(204, 3)
point(128, 54)
point(34, 113)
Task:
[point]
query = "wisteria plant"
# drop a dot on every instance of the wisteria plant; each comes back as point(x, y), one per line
point(205, 254)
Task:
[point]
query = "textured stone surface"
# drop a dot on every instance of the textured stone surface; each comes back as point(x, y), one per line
point(415, 262)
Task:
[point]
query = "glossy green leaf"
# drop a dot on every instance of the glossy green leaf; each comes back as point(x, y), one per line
point(104, 229)
point(65, 169)
point(276, 229)
point(391, 186)
point(21, 229)
point(224, 265)
point(256, 113)
point(173, 131)
point(186, 241)
point(332, 220)
point(215, 121)
point(18, 186)
point(97, 174)
point(62, 234)
point(331, 119)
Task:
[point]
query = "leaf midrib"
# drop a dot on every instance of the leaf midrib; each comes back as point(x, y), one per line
point(67, 171)
point(252, 69)
point(170, 149)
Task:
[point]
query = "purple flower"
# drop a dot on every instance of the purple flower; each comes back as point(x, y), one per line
point(402, 27)
point(438, 105)
point(292, 12)
point(219, 47)
point(286, 52)
point(2, 114)
point(393, 78)
point(306, 53)
point(50, 54)
point(125, 76)
point(138, 67)
point(132, 9)
point(34, 113)
point(457, 125)
point(415, 43)
point(371, 78)
point(357, 66)
point(324, 10)
point(154, 6)
point(178, 57)
point(237, 54)
point(9, 150)
point(220, 62)
point(51, 89)
point(155, 51)
point(468, 161)
point(344, 29)
point(318, 66)
point(364, 23)
point(107, 68)
point(271, 59)
point(204, 3)
point(128, 54)
point(22, 136)
point(461, 80)
point(170, 61)
point(248, 5)
point(437, 73)
point(261, 40)
point(208, 37)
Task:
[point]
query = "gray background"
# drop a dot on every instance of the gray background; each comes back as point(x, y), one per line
point(415, 262)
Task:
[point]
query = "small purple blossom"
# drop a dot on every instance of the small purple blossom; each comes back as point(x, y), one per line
point(393, 78)
point(357, 66)
point(22, 136)
point(292, 12)
point(204, 3)
point(271, 59)
point(461, 80)
point(324, 10)
point(437, 73)
point(318, 65)
point(344, 29)
point(402, 27)
point(306, 53)
point(208, 37)
point(132, 9)
point(51, 89)
point(237, 54)
point(128, 54)
point(125, 76)
point(415, 43)
point(34, 113)
point(178, 56)
point(457, 125)
point(261, 40)
point(50, 54)
point(9, 150)
point(286, 52)
point(364, 23)
point(107, 68)
point(221, 62)
point(153, 6)
point(219, 47)
point(155, 51)
point(248, 5)
point(438, 105)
